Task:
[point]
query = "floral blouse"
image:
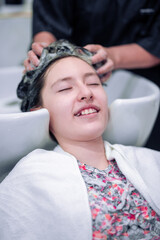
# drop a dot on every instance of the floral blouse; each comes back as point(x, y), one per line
point(118, 210)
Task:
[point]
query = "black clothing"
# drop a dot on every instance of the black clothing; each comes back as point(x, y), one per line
point(104, 22)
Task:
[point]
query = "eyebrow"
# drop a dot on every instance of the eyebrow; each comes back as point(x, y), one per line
point(71, 78)
point(61, 80)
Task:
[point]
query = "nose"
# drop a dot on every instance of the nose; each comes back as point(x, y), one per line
point(85, 93)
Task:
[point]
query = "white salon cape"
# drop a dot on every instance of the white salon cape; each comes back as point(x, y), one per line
point(45, 198)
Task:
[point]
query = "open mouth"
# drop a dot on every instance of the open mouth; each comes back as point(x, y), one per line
point(87, 111)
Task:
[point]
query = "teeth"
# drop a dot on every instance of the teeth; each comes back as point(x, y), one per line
point(87, 111)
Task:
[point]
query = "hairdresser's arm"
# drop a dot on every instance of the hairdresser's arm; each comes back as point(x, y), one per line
point(129, 56)
point(40, 40)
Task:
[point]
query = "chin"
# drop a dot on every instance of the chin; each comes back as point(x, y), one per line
point(88, 135)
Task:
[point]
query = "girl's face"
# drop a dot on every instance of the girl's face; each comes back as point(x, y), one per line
point(76, 101)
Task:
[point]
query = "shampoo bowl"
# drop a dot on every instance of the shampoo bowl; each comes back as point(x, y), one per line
point(134, 104)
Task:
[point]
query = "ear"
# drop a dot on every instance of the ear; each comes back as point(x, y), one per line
point(35, 108)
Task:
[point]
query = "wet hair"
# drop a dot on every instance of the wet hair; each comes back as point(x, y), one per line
point(29, 89)
point(34, 99)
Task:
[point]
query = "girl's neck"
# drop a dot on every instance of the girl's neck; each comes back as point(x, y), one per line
point(90, 152)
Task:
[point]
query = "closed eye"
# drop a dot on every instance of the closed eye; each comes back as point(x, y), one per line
point(64, 89)
point(94, 84)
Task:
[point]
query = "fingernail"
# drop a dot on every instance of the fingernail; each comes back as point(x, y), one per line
point(44, 44)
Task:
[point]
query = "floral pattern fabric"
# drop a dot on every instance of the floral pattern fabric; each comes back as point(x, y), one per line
point(119, 211)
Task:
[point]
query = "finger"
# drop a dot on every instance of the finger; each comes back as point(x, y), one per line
point(92, 47)
point(38, 48)
point(105, 71)
point(27, 65)
point(100, 56)
point(33, 58)
point(107, 67)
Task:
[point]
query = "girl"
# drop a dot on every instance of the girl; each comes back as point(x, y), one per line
point(85, 188)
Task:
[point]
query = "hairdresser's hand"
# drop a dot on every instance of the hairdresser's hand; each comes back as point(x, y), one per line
point(101, 54)
point(32, 60)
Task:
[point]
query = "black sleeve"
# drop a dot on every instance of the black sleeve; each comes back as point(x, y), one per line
point(150, 32)
point(54, 16)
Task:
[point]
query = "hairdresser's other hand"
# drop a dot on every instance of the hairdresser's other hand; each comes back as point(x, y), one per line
point(32, 60)
point(101, 54)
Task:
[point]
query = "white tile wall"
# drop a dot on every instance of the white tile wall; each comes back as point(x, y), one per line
point(15, 35)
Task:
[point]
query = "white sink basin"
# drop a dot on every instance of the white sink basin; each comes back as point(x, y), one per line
point(9, 79)
point(133, 101)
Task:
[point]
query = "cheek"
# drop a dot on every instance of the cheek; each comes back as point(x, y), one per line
point(104, 102)
point(59, 114)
